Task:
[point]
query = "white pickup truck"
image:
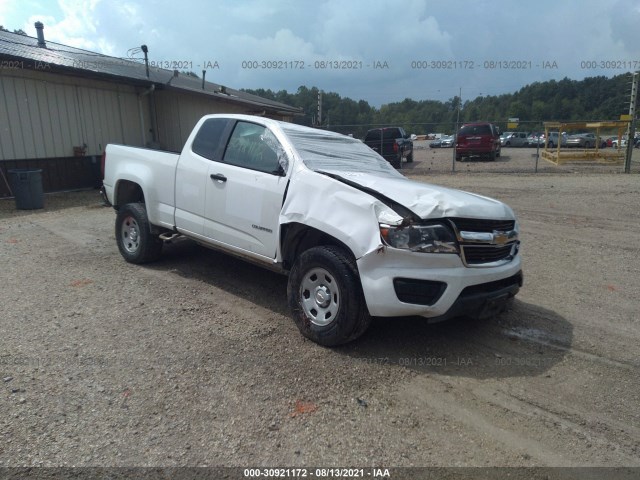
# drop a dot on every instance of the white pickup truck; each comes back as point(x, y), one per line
point(356, 238)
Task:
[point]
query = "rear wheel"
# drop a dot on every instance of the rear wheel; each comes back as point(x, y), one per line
point(325, 296)
point(410, 157)
point(492, 156)
point(397, 163)
point(133, 234)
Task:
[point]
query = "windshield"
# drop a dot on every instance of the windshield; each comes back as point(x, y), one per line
point(321, 150)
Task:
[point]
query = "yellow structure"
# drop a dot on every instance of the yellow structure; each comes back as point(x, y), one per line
point(559, 155)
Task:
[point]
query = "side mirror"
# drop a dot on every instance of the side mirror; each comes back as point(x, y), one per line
point(279, 171)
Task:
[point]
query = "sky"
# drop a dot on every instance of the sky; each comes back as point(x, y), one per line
point(379, 51)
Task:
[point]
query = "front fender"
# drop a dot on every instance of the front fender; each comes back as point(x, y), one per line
point(334, 208)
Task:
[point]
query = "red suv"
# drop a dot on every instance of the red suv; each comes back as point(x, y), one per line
point(482, 139)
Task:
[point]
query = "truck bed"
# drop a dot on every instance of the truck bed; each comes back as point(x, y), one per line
point(144, 166)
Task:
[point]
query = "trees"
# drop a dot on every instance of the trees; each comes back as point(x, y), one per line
point(19, 31)
point(594, 98)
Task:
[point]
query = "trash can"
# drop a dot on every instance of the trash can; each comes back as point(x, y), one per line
point(27, 188)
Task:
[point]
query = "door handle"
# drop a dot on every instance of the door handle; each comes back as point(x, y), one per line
point(218, 177)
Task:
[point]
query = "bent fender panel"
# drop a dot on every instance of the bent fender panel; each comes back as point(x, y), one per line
point(335, 208)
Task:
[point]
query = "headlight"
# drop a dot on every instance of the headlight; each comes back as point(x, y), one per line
point(420, 238)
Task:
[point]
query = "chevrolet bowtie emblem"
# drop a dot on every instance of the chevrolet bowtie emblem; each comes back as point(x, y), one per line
point(501, 238)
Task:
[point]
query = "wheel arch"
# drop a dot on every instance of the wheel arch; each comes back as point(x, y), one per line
point(127, 191)
point(296, 238)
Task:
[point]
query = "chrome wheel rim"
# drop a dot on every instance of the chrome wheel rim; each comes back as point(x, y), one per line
point(130, 235)
point(319, 296)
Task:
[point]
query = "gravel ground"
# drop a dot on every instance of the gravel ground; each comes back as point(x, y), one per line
point(194, 360)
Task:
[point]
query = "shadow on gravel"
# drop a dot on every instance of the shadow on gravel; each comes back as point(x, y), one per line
point(253, 283)
point(525, 341)
point(478, 159)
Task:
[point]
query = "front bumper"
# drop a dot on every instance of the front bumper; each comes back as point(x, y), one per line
point(469, 291)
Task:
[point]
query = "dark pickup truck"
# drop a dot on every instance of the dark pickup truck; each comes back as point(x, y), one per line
point(392, 143)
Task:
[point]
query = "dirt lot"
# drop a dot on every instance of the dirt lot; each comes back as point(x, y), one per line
point(194, 360)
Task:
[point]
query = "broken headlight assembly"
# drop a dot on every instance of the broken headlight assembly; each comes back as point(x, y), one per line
point(434, 238)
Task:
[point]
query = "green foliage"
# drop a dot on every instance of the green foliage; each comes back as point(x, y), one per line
point(591, 99)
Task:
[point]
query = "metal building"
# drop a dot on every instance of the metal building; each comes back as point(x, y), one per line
point(60, 106)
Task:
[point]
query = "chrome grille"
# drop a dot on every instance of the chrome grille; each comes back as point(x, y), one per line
point(494, 241)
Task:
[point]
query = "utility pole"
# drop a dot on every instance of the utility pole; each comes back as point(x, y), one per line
point(319, 108)
point(632, 126)
point(455, 133)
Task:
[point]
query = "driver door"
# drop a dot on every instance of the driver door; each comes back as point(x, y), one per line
point(245, 192)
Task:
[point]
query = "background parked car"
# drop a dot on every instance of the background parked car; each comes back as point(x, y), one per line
point(533, 138)
point(609, 140)
point(514, 139)
point(448, 141)
point(623, 142)
point(478, 139)
point(582, 140)
point(392, 143)
point(504, 136)
point(553, 140)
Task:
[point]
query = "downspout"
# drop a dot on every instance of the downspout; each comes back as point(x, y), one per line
point(151, 112)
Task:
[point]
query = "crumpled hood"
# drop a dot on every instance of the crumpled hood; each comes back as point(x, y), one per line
point(430, 201)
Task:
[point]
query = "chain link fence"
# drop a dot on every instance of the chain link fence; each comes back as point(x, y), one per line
point(435, 151)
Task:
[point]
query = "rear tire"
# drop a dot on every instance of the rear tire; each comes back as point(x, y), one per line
point(133, 235)
point(397, 163)
point(410, 158)
point(326, 298)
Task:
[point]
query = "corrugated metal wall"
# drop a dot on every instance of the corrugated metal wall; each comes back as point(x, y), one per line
point(45, 115)
point(177, 113)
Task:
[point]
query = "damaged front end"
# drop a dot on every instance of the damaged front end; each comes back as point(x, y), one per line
point(420, 249)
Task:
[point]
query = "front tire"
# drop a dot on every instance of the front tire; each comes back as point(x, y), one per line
point(133, 234)
point(325, 296)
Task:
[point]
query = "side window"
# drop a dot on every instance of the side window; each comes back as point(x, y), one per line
point(207, 141)
point(373, 135)
point(254, 147)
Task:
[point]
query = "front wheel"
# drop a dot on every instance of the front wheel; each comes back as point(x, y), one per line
point(325, 296)
point(133, 234)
